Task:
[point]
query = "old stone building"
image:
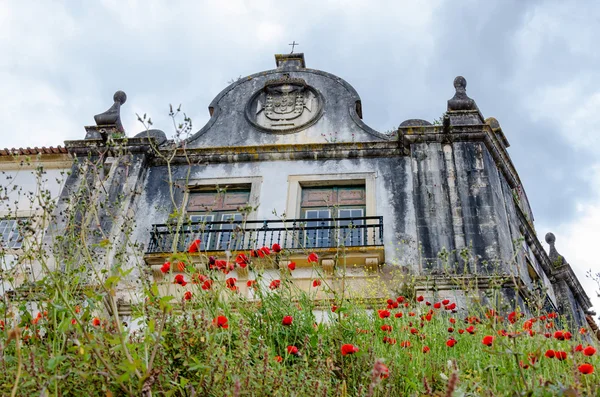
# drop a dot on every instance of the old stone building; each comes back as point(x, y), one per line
point(286, 158)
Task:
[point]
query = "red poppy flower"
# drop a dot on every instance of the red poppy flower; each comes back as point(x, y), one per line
point(420, 298)
point(195, 246)
point(559, 335)
point(278, 359)
point(187, 296)
point(180, 266)
point(198, 278)
point(220, 322)
point(445, 302)
point(250, 283)
point(470, 330)
point(548, 335)
point(411, 314)
point(380, 370)
point(242, 260)
point(452, 320)
point(461, 331)
point(207, 285)
point(450, 329)
point(582, 331)
point(414, 331)
point(451, 342)
point(165, 267)
point(292, 266)
point(312, 257)
point(523, 365)
point(589, 351)
point(549, 353)
point(586, 368)
point(561, 355)
point(316, 283)
point(488, 340)
point(73, 321)
point(428, 317)
point(275, 284)
point(567, 335)
point(398, 315)
point(349, 349)
point(552, 315)
point(512, 317)
point(180, 280)
point(532, 358)
point(390, 341)
point(276, 247)
point(230, 282)
point(265, 251)
point(333, 308)
point(383, 313)
point(77, 309)
point(292, 350)
point(386, 328)
point(95, 321)
point(400, 299)
point(437, 305)
point(287, 320)
point(426, 349)
point(579, 348)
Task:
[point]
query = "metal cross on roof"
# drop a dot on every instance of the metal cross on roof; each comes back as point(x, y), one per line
point(293, 44)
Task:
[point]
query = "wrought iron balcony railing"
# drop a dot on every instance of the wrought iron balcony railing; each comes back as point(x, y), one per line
point(251, 234)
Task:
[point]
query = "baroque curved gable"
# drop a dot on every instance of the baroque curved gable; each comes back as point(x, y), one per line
point(287, 105)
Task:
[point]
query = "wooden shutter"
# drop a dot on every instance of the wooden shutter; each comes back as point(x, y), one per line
point(217, 201)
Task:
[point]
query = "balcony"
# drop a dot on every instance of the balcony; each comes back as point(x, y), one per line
point(291, 234)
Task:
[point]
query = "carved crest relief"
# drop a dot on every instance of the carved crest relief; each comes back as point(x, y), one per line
point(284, 105)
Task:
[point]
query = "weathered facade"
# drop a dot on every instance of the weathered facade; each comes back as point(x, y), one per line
point(286, 159)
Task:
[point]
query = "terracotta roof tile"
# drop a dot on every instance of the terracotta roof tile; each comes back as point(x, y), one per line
point(35, 150)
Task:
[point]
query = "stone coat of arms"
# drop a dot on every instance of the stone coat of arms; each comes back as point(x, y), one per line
point(284, 105)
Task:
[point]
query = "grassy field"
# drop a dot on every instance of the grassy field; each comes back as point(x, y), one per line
point(213, 342)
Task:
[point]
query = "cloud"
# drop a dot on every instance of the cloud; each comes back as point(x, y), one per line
point(533, 65)
point(577, 239)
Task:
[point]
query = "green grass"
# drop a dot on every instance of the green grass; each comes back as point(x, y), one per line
point(180, 351)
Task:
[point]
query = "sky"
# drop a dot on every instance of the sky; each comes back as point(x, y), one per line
point(533, 65)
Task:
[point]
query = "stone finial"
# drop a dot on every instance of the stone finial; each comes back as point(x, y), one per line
point(461, 101)
point(113, 115)
point(555, 257)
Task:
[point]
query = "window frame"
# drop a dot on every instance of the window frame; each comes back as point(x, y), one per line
point(252, 184)
point(297, 182)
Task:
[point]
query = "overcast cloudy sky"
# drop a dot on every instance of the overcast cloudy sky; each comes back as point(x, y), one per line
point(534, 65)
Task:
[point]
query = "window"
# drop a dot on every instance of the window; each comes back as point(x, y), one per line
point(216, 217)
point(336, 215)
point(11, 232)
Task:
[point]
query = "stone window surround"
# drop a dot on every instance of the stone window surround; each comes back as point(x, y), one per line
point(255, 183)
point(296, 182)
